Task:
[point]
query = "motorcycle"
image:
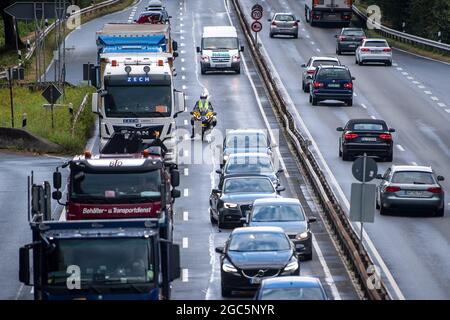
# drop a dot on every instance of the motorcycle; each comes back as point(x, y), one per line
point(206, 120)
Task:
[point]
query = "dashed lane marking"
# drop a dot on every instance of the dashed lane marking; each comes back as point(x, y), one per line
point(185, 275)
point(185, 216)
point(399, 147)
point(185, 243)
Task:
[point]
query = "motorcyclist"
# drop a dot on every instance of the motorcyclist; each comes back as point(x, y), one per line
point(202, 105)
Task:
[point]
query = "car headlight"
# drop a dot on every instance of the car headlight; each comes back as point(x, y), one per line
point(230, 205)
point(302, 236)
point(205, 58)
point(291, 266)
point(236, 58)
point(226, 157)
point(228, 267)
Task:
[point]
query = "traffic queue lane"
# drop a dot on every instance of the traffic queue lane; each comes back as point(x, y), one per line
point(414, 249)
point(230, 93)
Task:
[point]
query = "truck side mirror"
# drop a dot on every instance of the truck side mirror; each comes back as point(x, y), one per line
point(174, 258)
point(175, 178)
point(174, 45)
point(57, 180)
point(218, 171)
point(175, 193)
point(180, 105)
point(24, 265)
point(340, 129)
point(198, 50)
point(220, 250)
point(57, 195)
point(280, 189)
point(95, 102)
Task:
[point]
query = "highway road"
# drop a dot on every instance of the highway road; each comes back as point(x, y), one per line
point(413, 97)
point(241, 102)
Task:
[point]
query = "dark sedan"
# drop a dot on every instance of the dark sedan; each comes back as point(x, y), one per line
point(331, 83)
point(234, 200)
point(349, 39)
point(370, 136)
point(253, 254)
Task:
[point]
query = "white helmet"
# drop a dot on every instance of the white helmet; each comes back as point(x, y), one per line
point(205, 94)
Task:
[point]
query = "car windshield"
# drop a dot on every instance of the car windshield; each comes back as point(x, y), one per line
point(292, 294)
point(333, 74)
point(259, 241)
point(354, 33)
point(246, 141)
point(101, 261)
point(284, 17)
point(368, 127)
point(278, 213)
point(413, 177)
point(248, 185)
point(376, 44)
point(138, 101)
point(249, 165)
point(226, 43)
point(317, 63)
point(115, 187)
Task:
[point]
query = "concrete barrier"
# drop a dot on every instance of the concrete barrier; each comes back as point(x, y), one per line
point(11, 138)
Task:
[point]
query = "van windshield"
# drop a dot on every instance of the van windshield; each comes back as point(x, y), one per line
point(218, 43)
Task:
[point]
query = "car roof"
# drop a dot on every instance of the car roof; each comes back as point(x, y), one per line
point(397, 168)
point(380, 121)
point(375, 39)
point(352, 29)
point(333, 67)
point(247, 175)
point(266, 201)
point(286, 13)
point(262, 229)
point(291, 281)
point(324, 58)
point(249, 155)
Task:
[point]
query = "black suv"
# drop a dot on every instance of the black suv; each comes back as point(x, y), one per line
point(349, 39)
point(331, 83)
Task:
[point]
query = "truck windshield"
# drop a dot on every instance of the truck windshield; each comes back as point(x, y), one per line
point(220, 43)
point(101, 261)
point(115, 187)
point(138, 101)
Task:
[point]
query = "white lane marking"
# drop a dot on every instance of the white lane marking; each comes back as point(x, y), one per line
point(308, 36)
point(318, 50)
point(186, 122)
point(414, 163)
point(427, 92)
point(416, 82)
point(447, 110)
point(354, 93)
point(312, 42)
point(399, 147)
point(181, 19)
point(186, 171)
point(186, 192)
point(328, 277)
point(355, 226)
point(435, 98)
point(183, 60)
point(405, 73)
point(183, 77)
point(183, 69)
point(373, 117)
point(363, 105)
point(186, 153)
point(442, 105)
point(185, 216)
point(184, 87)
point(395, 64)
point(421, 87)
point(185, 243)
point(186, 136)
point(399, 69)
point(410, 78)
point(185, 276)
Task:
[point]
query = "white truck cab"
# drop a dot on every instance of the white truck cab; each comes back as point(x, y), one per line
point(220, 49)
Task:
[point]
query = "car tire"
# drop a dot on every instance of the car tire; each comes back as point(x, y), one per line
point(226, 292)
point(360, 63)
point(346, 156)
point(389, 158)
point(356, 58)
point(202, 70)
point(377, 205)
point(220, 224)
point(340, 152)
point(310, 99)
point(271, 35)
point(238, 70)
point(350, 102)
point(440, 212)
point(383, 210)
point(389, 63)
point(338, 51)
point(296, 36)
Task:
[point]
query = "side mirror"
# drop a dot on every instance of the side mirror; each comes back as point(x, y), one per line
point(280, 189)
point(95, 102)
point(243, 220)
point(175, 178)
point(303, 65)
point(269, 20)
point(241, 49)
point(215, 191)
point(198, 50)
point(340, 129)
point(170, 17)
point(280, 171)
point(379, 177)
point(220, 250)
point(24, 265)
point(174, 45)
point(440, 178)
point(176, 193)
point(353, 78)
point(312, 219)
point(57, 180)
point(218, 171)
point(391, 130)
point(175, 54)
point(174, 258)
point(57, 195)
point(336, 36)
point(297, 20)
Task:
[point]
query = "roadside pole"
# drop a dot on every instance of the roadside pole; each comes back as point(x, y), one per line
point(11, 95)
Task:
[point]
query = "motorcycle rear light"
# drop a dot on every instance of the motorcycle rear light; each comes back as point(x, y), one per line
point(348, 85)
point(317, 84)
point(350, 136)
point(392, 189)
point(385, 136)
point(435, 190)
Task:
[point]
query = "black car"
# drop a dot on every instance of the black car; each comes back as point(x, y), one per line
point(349, 39)
point(331, 83)
point(255, 253)
point(369, 136)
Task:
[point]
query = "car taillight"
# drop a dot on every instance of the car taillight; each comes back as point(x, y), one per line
point(341, 38)
point(311, 71)
point(435, 190)
point(385, 136)
point(348, 85)
point(274, 23)
point(392, 189)
point(317, 84)
point(387, 50)
point(317, 16)
point(295, 24)
point(350, 136)
point(365, 49)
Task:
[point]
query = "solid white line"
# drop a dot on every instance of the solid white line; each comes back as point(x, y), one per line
point(399, 147)
point(185, 216)
point(186, 171)
point(328, 276)
point(185, 243)
point(185, 276)
point(186, 192)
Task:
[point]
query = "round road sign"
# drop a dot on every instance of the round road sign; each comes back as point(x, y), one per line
point(256, 26)
point(256, 14)
point(257, 7)
point(358, 168)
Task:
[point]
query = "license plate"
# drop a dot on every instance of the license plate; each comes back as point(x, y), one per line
point(256, 280)
point(415, 193)
point(376, 51)
point(334, 85)
point(351, 46)
point(221, 65)
point(369, 139)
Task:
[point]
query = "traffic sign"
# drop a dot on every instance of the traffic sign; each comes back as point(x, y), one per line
point(257, 15)
point(362, 202)
point(256, 26)
point(51, 94)
point(370, 166)
point(257, 7)
point(37, 10)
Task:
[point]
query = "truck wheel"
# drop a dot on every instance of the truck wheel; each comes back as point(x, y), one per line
point(226, 292)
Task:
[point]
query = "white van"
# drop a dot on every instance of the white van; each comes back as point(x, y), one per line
point(220, 49)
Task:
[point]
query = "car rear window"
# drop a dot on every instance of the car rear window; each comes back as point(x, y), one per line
point(368, 127)
point(413, 177)
point(353, 33)
point(376, 44)
point(246, 141)
point(317, 63)
point(337, 74)
point(284, 17)
point(252, 165)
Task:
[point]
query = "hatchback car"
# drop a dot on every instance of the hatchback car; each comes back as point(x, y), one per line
point(288, 214)
point(370, 136)
point(349, 39)
point(331, 83)
point(246, 140)
point(283, 24)
point(253, 254)
point(291, 288)
point(310, 68)
point(374, 50)
point(233, 201)
point(410, 188)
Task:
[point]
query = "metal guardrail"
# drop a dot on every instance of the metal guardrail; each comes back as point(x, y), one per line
point(355, 254)
point(402, 36)
point(86, 10)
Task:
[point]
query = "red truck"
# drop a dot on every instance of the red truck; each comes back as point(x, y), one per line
point(329, 12)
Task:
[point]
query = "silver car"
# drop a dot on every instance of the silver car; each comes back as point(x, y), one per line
point(374, 50)
point(284, 24)
point(410, 188)
point(310, 67)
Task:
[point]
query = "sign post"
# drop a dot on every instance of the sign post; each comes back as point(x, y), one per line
point(257, 14)
point(52, 94)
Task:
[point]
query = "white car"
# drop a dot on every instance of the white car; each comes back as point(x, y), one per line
point(374, 50)
point(310, 67)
